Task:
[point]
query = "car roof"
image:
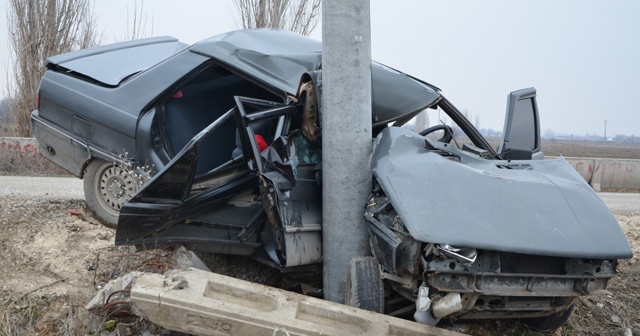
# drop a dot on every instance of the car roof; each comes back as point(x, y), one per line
point(285, 55)
point(274, 58)
point(279, 58)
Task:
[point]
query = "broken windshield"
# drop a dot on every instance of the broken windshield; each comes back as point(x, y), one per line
point(445, 123)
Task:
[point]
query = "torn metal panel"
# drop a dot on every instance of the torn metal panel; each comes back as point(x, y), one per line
point(282, 157)
point(287, 152)
point(463, 254)
point(463, 200)
point(393, 91)
point(295, 217)
point(398, 253)
point(275, 57)
point(279, 58)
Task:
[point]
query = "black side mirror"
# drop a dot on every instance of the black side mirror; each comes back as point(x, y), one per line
point(517, 154)
point(522, 127)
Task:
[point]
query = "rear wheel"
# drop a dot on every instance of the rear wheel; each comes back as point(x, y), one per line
point(551, 322)
point(107, 187)
point(365, 289)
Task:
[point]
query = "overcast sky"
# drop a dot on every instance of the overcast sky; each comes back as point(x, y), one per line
point(583, 57)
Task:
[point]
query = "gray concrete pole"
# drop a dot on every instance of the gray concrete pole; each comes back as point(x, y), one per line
point(346, 138)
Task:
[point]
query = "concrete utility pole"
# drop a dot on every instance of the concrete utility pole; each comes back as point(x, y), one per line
point(346, 138)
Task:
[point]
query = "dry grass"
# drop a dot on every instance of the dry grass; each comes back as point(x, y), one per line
point(611, 314)
point(36, 314)
point(19, 159)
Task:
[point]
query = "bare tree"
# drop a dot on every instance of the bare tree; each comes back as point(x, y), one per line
point(300, 16)
point(39, 29)
point(138, 28)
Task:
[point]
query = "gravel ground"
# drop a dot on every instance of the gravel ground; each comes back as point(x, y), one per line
point(622, 203)
point(60, 188)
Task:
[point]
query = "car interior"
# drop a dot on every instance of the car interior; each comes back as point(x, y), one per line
point(200, 100)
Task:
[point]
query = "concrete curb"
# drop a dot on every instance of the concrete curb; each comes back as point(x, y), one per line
point(608, 174)
point(27, 146)
point(205, 303)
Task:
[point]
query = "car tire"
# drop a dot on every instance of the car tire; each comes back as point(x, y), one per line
point(364, 287)
point(107, 186)
point(551, 322)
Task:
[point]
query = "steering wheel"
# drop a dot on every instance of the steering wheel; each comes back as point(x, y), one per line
point(448, 132)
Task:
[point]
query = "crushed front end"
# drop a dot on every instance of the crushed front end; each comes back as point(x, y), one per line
point(462, 235)
point(477, 283)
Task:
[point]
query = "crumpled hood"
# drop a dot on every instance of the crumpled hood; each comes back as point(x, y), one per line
point(544, 209)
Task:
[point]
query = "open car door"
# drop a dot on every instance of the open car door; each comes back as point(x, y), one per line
point(217, 211)
point(521, 133)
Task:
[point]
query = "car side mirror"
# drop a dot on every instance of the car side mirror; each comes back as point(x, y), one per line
point(517, 154)
point(521, 133)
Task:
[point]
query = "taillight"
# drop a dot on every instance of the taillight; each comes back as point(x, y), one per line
point(38, 101)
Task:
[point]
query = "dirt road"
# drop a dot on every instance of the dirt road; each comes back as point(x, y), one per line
point(62, 188)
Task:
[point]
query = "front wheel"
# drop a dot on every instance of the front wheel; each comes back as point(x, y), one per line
point(107, 187)
point(365, 289)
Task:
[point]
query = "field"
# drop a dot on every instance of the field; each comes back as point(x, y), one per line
point(586, 149)
point(590, 149)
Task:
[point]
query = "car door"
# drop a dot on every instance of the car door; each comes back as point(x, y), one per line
point(216, 211)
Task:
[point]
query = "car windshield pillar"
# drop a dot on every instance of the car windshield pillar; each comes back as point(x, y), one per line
point(466, 126)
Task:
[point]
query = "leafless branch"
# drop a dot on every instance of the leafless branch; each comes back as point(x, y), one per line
point(39, 29)
point(138, 27)
point(300, 16)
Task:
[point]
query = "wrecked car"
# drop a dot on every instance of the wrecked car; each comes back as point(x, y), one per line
point(458, 229)
point(114, 115)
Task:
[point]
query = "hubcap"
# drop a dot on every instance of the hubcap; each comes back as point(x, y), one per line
point(116, 187)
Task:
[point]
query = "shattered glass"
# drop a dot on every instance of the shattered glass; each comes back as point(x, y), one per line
point(289, 151)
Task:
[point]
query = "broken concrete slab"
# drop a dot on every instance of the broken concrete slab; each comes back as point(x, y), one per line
point(182, 259)
point(115, 290)
point(205, 303)
point(185, 259)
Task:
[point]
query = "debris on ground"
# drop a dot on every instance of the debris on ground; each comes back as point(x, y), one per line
point(55, 262)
